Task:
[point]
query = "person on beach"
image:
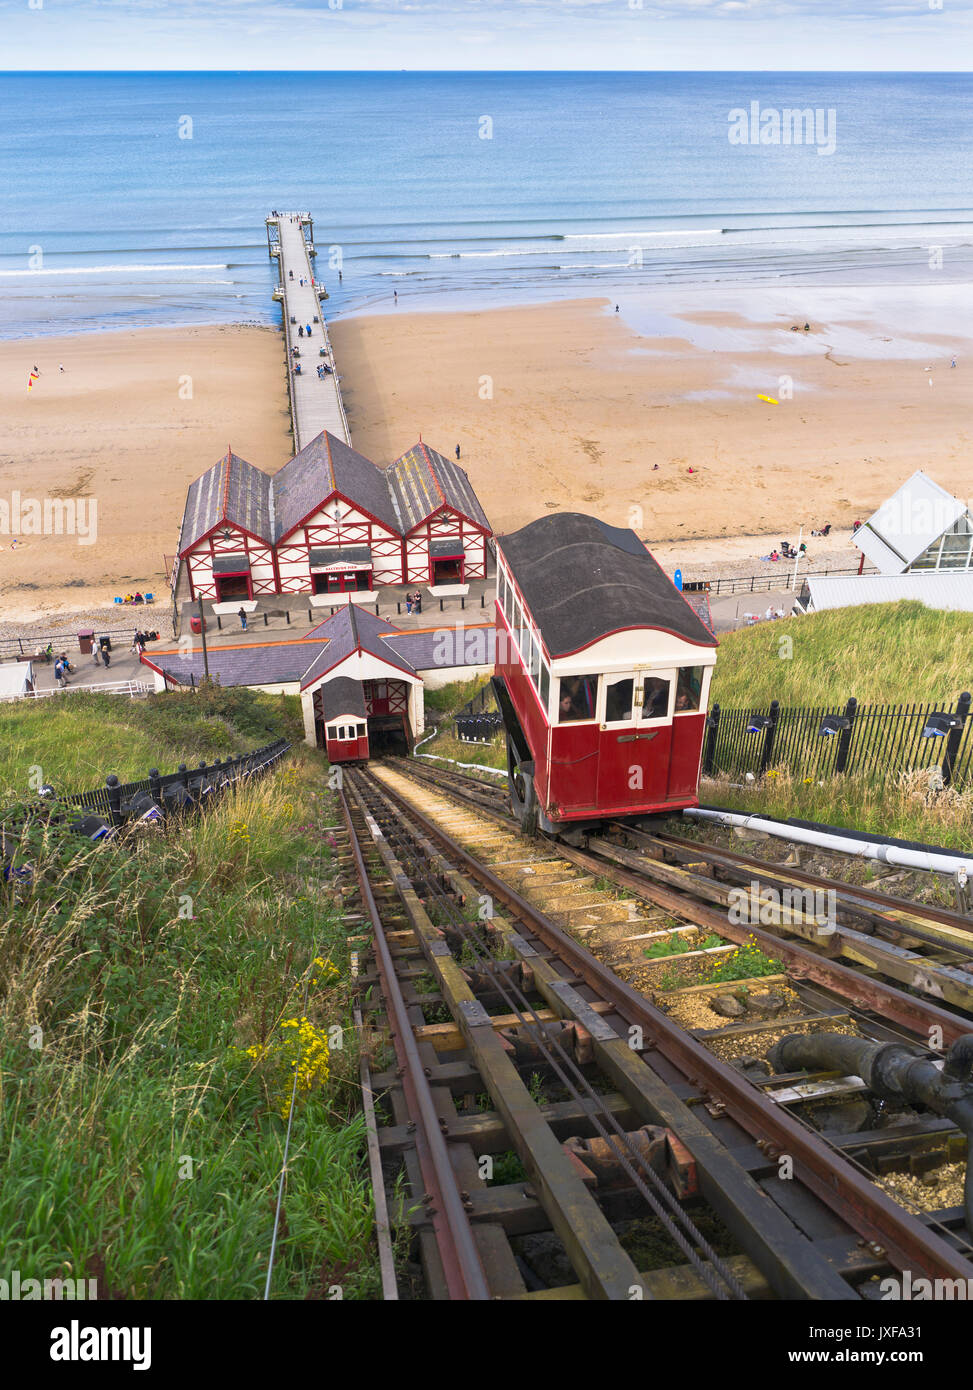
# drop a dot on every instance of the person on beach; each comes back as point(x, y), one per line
point(300, 330)
point(242, 615)
point(395, 296)
point(307, 331)
point(60, 365)
point(457, 451)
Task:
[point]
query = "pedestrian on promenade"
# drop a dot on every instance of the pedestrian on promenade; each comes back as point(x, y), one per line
point(408, 603)
point(96, 654)
point(242, 615)
point(106, 655)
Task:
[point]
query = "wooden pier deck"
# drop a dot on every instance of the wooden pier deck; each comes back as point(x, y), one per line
point(315, 403)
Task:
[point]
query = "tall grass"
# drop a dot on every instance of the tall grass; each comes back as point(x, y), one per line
point(894, 653)
point(902, 805)
point(146, 988)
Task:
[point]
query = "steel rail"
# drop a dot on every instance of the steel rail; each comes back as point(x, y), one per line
point(462, 1268)
point(918, 1015)
point(678, 1224)
point(870, 901)
point(907, 1242)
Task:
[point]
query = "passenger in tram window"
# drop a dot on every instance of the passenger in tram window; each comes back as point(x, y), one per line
point(577, 698)
point(655, 703)
point(688, 687)
point(618, 701)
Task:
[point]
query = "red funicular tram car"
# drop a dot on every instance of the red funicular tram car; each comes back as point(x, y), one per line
point(345, 722)
point(602, 676)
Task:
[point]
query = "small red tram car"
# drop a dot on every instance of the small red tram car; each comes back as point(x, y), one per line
point(602, 677)
point(345, 721)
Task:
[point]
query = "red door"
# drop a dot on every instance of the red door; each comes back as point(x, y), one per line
point(635, 740)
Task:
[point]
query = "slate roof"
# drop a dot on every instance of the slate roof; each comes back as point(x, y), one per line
point(347, 630)
point(323, 466)
point(583, 579)
point(232, 490)
point(471, 646)
point(342, 696)
point(268, 664)
point(422, 480)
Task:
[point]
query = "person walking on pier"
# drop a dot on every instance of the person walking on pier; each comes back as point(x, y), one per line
point(300, 330)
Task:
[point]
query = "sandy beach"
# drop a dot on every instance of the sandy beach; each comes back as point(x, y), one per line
point(134, 417)
point(556, 406)
point(565, 406)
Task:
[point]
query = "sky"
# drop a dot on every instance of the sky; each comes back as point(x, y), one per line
point(601, 35)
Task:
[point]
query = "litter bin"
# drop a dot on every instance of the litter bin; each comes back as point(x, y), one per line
point(86, 640)
point(197, 624)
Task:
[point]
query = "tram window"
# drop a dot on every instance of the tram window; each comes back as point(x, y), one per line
point(508, 603)
point(545, 690)
point(618, 699)
point(577, 698)
point(655, 697)
point(689, 686)
point(502, 590)
point(361, 731)
point(535, 660)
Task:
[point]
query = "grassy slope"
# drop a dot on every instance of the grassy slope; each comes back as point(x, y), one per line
point(898, 653)
point(895, 653)
point(163, 972)
point(76, 740)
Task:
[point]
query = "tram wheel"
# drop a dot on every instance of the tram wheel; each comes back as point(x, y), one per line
point(520, 784)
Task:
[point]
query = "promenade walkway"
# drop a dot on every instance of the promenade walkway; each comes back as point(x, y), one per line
point(315, 403)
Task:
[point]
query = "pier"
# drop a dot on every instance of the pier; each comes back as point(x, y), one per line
point(315, 403)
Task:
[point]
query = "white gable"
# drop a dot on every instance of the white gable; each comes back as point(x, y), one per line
point(907, 524)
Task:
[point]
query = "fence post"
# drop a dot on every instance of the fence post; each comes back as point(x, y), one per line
point(769, 736)
point(287, 615)
point(266, 624)
point(954, 738)
point(844, 738)
point(155, 785)
point(114, 798)
point(712, 733)
point(483, 600)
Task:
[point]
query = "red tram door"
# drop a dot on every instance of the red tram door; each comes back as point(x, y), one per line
point(635, 739)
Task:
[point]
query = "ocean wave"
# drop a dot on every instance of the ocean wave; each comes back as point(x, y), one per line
point(111, 270)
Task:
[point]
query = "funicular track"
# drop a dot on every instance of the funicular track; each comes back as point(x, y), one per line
point(645, 1122)
point(884, 940)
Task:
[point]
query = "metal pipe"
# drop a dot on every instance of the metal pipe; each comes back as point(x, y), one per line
point(928, 860)
point(893, 1071)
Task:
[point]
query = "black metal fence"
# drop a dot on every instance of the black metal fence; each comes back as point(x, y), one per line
point(835, 739)
point(117, 802)
point(479, 721)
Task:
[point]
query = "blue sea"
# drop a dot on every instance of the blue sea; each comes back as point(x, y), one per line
point(139, 199)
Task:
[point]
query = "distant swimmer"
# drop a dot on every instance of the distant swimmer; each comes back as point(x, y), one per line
point(616, 308)
point(395, 296)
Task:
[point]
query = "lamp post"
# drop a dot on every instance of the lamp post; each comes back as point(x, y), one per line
point(202, 633)
point(797, 558)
